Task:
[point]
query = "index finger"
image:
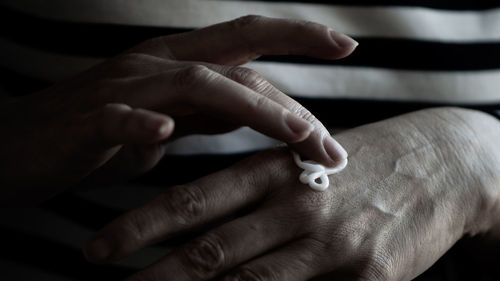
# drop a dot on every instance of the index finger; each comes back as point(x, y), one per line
point(196, 87)
point(319, 145)
point(244, 39)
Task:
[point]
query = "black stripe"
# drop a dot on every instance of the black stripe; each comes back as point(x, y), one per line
point(435, 4)
point(85, 39)
point(412, 55)
point(104, 40)
point(350, 113)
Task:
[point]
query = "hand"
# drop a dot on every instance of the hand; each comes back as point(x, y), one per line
point(414, 186)
point(112, 119)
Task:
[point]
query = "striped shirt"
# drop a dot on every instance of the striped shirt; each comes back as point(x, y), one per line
point(413, 54)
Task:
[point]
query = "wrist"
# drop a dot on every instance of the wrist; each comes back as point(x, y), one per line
point(472, 151)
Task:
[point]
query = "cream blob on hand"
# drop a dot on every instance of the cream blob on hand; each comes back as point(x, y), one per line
point(316, 175)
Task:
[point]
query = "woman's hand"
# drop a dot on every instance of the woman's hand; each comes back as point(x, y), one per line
point(115, 117)
point(414, 186)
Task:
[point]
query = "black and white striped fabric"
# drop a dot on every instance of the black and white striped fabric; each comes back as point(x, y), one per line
point(413, 54)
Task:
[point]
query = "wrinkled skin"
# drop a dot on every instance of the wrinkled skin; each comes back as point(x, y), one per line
point(414, 185)
point(112, 121)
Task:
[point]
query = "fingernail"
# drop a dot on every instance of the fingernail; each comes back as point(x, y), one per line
point(297, 125)
point(97, 250)
point(342, 40)
point(336, 152)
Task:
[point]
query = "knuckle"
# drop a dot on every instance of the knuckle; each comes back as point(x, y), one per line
point(377, 268)
point(244, 22)
point(205, 257)
point(134, 64)
point(244, 26)
point(156, 47)
point(184, 204)
point(315, 209)
point(137, 227)
point(307, 115)
point(189, 77)
point(249, 77)
point(260, 102)
point(308, 26)
point(132, 59)
point(125, 65)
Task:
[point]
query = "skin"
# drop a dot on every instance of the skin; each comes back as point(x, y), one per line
point(414, 185)
point(113, 120)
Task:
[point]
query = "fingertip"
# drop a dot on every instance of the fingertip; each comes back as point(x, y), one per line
point(334, 150)
point(344, 44)
point(322, 149)
point(343, 41)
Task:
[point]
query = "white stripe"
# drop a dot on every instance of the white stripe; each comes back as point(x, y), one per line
point(363, 82)
point(239, 141)
point(397, 22)
point(306, 80)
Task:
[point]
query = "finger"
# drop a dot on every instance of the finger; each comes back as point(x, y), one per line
point(117, 124)
point(222, 248)
point(319, 145)
point(297, 261)
point(197, 88)
point(182, 208)
point(244, 39)
point(128, 65)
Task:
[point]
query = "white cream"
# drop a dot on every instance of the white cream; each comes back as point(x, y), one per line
point(314, 171)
